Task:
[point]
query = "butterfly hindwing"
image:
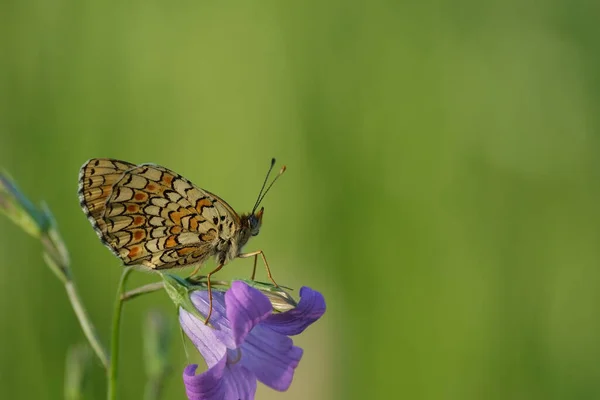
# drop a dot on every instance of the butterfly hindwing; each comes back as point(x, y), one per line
point(96, 179)
point(179, 257)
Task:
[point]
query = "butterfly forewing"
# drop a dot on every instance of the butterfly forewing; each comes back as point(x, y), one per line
point(152, 216)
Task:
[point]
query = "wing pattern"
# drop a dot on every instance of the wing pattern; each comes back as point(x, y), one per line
point(96, 179)
point(149, 215)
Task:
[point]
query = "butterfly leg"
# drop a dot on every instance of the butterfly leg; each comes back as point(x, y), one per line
point(262, 255)
point(254, 267)
point(195, 271)
point(210, 307)
point(194, 277)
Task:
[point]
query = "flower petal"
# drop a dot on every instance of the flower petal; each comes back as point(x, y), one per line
point(271, 356)
point(221, 382)
point(240, 384)
point(208, 385)
point(295, 321)
point(246, 307)
point(204, 338)
point(218, 319)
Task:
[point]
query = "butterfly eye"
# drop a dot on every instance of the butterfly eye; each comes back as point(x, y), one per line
point(254, 225)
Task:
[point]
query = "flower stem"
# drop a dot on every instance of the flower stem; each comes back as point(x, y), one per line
point(86, 324)
point(114, 345)
point(153, 287)
point(149, 288)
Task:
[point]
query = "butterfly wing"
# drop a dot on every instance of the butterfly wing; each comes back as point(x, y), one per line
point(157, 218)
point(96, 179)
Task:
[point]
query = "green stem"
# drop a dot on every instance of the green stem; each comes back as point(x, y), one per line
point(156, 286)
point(149, 288)
point(86, 324)
point(114, 345)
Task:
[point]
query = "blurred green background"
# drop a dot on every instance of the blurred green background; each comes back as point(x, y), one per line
point(442, 187)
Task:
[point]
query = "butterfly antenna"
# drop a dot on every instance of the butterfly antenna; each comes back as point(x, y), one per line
point(281, 171)
point(263, 185)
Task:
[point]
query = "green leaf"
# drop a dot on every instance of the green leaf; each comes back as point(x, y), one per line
point(179, 290)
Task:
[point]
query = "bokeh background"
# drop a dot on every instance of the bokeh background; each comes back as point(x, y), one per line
point(442, 187)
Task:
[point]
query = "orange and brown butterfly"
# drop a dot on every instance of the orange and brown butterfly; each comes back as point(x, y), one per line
point(152, 217)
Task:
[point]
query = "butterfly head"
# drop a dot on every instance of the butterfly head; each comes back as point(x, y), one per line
point(255, 221)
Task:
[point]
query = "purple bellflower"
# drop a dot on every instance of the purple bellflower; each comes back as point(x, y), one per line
point(245, 342)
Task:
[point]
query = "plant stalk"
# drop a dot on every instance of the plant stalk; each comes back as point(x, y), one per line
point(149, 288)
point(86, 325)
point(113, 370)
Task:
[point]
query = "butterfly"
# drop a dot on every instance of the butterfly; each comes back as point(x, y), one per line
point(152, 217)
